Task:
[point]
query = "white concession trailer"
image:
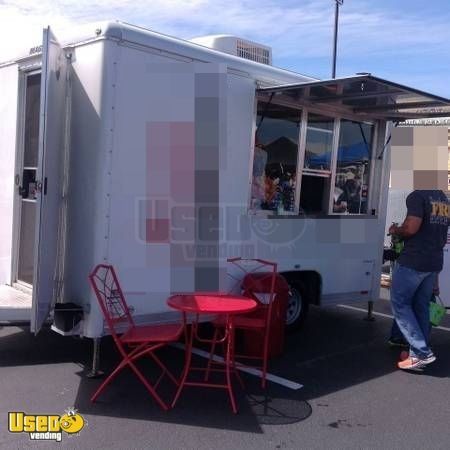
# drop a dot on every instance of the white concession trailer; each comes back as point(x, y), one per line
point(164, 157)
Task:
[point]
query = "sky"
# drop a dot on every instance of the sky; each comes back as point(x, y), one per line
point(407, 41)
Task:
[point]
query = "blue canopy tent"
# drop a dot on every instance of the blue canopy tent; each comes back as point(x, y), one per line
point(355, 153)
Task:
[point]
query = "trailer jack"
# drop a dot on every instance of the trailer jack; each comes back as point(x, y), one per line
point(95, 372)
point(370, 317)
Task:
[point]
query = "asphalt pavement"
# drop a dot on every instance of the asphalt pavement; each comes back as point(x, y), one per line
point(353, 397)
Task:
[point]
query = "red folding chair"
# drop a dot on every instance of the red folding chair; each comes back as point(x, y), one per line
point(252, 277)
point(133, 342)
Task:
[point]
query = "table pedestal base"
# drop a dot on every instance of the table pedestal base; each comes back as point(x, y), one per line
point(229, 365)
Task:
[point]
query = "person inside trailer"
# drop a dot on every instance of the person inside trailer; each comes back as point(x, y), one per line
point(349, 199)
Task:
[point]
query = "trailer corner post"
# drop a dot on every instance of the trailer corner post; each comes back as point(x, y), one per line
point(95, 372)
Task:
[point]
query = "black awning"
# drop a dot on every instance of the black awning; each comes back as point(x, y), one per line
point(366, 96)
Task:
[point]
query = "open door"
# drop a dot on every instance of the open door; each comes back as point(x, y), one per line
point(52, 132)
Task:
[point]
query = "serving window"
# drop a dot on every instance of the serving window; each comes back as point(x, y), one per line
point(316, 173)
point(327, 171)
point(275, 158)
point(353, 167)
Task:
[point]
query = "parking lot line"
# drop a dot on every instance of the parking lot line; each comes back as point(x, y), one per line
point(383, 315)
point(274, 378)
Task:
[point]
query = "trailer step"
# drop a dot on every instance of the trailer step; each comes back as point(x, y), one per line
point(15, 305)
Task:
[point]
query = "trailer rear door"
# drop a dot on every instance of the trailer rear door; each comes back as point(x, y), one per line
point(52, 129)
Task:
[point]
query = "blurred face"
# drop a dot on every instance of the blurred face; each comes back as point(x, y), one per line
point(419, 158)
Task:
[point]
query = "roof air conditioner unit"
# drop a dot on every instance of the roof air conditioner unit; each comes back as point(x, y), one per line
point(238, 47)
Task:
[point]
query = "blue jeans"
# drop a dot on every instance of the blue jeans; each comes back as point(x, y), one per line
point(410, 298)
point(396, 333)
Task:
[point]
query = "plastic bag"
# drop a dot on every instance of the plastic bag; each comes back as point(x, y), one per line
point(437, 311)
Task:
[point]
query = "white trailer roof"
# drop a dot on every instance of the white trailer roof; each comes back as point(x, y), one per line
point(127, 33)
point(133, 34)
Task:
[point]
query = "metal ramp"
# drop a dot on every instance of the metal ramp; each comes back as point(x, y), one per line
point(15, 305)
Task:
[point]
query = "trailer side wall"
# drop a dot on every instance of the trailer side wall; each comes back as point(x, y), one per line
point(91, 134)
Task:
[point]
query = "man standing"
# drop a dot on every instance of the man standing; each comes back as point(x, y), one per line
point(425, 234)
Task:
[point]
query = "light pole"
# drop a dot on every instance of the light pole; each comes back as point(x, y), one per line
point(336, 18)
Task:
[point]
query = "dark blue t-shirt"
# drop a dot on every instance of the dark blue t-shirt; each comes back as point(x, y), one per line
point(424, 251)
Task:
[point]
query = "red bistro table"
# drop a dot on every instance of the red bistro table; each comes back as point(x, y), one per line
point(210, 303)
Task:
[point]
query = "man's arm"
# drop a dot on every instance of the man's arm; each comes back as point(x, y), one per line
point(413, 221)
point(408, 228)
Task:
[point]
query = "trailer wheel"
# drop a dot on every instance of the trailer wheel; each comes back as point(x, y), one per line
point(298, 306)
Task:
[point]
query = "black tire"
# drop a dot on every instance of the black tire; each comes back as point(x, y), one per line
point(298, 306)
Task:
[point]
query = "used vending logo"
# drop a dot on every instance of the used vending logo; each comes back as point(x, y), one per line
point(43, 427)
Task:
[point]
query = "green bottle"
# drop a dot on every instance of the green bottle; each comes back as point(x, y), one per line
point(396, 242)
